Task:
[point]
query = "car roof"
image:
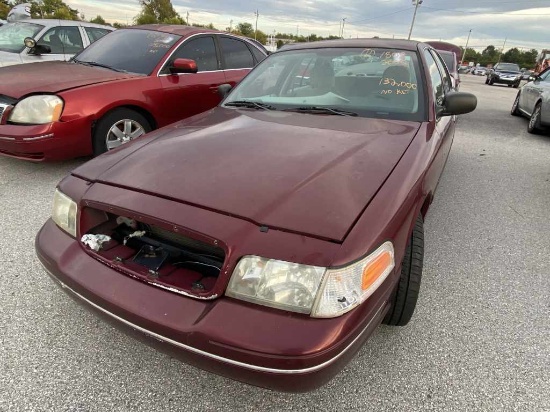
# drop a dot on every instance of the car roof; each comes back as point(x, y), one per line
point(57, 22)
point(366, 42)
point(174, 29)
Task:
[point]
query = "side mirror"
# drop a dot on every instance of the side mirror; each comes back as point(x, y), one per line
point(224, 89)
point(458, 103)
point(184, 66)
point(36, 49)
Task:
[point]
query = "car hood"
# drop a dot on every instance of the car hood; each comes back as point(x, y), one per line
point(303, 173)
point(9, 59)
point(52, 77)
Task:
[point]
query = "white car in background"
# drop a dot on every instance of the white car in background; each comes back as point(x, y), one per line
point(480, 71)
point(52, 39)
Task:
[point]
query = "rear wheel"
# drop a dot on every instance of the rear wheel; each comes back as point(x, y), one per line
point(515, 107)
point(534, 122)
point(404, 299)
point(118, 127)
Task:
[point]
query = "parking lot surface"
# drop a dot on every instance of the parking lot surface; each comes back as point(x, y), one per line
point(479, 339)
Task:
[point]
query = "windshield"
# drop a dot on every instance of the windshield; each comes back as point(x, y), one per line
point(382, 83)
point(12, 35)
point(132, 50)
point(508, 66)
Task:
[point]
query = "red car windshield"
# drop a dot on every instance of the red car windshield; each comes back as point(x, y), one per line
point(132, 50)
point(366, 82)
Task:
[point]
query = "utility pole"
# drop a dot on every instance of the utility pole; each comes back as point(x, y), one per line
point(256, 31)
point(343, 24)
point(230, 25)
point(416, 4)
point(502, 50)
point(465, 48)
point(187, 21)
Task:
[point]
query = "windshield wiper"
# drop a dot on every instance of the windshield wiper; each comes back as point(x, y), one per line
point(250, 104)
point(96, 64)
point(321, 110)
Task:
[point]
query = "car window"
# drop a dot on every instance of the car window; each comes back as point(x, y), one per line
point(447, 83)
point(236, 54)
point(94, 33)
point(201, 49)
point(544, 77)
point(258, 55)
point(381, 83)
point(63, 39)
point(133, 50)
point(449, 59)
point(435, 78)
point(12, 35)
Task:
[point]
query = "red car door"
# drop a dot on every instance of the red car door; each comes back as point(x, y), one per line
point(442, 136)
point(187, 94)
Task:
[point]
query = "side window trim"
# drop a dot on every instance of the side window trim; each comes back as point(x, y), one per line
point(163, 69)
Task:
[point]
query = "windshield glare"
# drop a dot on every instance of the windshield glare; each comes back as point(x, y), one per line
point(12, 35)
point(371, 82)
point(131, 50)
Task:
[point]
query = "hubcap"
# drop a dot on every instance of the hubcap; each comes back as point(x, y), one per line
point(122, 132)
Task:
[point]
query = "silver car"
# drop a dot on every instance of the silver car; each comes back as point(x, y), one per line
point(533, 101)
point(55, 39)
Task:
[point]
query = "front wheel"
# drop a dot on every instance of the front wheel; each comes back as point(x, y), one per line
point(404, 299)
point(516, 85)
point(490, 82)
point(486, 80)
point(118, 127)
point(534, 122)
point(515, 107)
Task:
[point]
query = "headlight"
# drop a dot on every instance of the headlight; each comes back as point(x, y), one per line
point(275, 283)
point(345, 288)
point(64, 212)
point(37, 110)
point(321, 292)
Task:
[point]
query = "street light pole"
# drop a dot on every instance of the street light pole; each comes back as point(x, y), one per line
point(417, 3)
point(343, 24)
point(502, 51)
point(256, 31)
point(465, 48)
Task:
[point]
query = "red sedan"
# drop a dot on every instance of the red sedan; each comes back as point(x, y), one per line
point(266, 239)
point(124, 85)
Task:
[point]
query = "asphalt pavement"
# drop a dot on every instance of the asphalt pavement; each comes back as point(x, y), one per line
point(479, 339)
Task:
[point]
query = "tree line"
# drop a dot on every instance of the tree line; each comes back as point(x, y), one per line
point(491, 55)
point(162, 11)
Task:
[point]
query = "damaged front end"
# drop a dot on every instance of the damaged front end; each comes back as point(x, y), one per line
point(150, 253)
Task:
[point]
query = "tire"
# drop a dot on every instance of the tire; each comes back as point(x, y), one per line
point(534, 121)
point(516, 85)
point(129, 123)
point(515, 107)
point(486, 80)
point(510, 85)
point(406, 295)
point(490, 82)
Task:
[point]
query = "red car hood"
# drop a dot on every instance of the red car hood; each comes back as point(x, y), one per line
point(310, 174)
point(52, 77)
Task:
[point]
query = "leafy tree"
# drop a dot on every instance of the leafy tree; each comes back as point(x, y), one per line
point(98, 20)
point(4, 9)
point(158, 11)
point(245, 29)
point(470, 56)
point(49, 9)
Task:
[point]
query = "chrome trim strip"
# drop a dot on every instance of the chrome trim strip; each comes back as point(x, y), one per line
point(9, 139)
point(46, 136)
point(211, 355)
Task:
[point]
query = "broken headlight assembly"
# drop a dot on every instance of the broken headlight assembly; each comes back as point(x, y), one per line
point(313, 290)
point(64, 212)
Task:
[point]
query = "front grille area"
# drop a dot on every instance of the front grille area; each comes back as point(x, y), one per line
point(153, 254)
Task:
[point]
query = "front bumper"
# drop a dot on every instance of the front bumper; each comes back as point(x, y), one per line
point(501, 80)
point(46, 142)
point(292, 352)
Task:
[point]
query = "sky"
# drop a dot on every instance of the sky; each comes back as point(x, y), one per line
point(502, 23)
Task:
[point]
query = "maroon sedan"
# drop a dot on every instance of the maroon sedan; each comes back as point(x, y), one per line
point(124, 85)
point(266, 239)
